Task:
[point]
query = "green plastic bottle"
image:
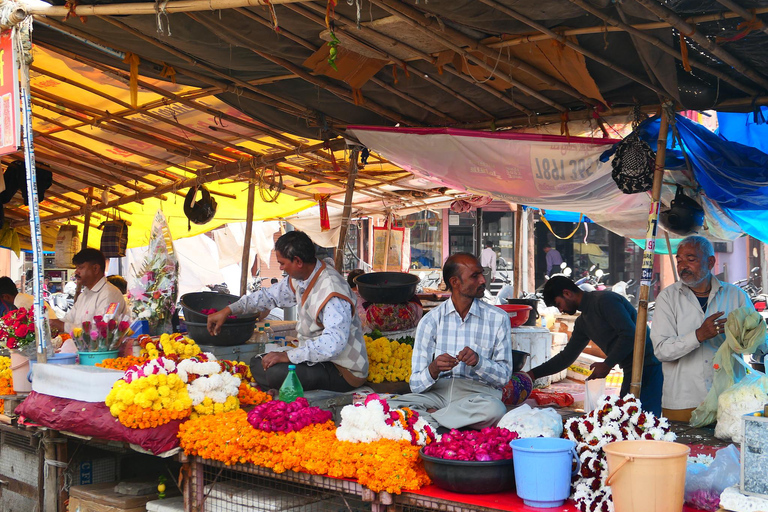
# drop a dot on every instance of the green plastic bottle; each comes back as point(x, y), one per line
point(291, 388)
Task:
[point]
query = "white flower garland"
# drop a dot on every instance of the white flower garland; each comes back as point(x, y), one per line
point(198, 366)
point(614, 419)
point(374, 420)
point(159, 366)
point(217, 387)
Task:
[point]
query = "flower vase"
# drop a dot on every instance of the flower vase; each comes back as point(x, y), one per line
point(158, 326)
point(20, 370)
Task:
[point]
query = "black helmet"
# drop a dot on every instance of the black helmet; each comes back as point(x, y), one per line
point(203, 209)
point(685, 215)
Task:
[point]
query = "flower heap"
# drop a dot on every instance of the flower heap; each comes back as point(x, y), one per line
point(388, 360)
point(489, 444)
point(381, 465)
point(374, 420)
point(614, 419)
point(212, 390)
point(149, 395)
point(174, 346)
point(6, 379)
point(248, 393)
point(278, 416)
point(17, 330)
point(100, 335)
point(122, 363)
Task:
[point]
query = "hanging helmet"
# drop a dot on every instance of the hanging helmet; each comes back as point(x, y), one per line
point(685, 215)
point(200, 211)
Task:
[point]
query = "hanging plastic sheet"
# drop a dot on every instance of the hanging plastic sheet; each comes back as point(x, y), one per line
point(749, 129)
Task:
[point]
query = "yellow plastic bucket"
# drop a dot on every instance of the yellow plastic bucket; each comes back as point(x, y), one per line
point(647, 476)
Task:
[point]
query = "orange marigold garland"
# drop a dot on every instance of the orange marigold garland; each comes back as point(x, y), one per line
point(383, 465)
point(122, 363)
point(6, 379)
point(251, 395)
point(135, 416)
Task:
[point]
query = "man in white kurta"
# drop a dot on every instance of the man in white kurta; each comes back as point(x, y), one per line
point(688, 327)
point(98, 297)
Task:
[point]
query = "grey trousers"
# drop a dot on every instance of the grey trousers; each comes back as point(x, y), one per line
point(470, 404)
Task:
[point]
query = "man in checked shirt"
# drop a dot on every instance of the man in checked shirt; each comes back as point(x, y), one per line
point(462, 355)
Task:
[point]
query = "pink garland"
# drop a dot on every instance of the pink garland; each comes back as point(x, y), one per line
point(486, 445)
point(277, 416)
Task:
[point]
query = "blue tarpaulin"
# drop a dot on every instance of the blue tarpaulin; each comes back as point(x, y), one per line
point(733, 176)
point(743, 128)
point(562, 216)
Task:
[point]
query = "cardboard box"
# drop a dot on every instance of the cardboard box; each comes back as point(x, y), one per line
point(103, 498)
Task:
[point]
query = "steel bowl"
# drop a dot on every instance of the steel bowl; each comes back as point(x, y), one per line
point(231, 333)
point(518, 360)
point(387, 287)
point(193, 303)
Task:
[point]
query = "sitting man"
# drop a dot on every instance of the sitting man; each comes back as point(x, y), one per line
point(98, 296)
point(8, 293)
point(462, 356)
point(689, 327)
point(331, 353)
point(609, 320)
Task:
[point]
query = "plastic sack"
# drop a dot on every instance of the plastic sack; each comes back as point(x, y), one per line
point(748, 395)
point(530, 422)
point(67, 245)
point(703, 484)
point(744, 333)
point(594, 389)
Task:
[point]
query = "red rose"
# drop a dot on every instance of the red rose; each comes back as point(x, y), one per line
point(21, 331)
point(123, 326)
point(11, 343)
point(98, 318)
point(156, 294)
point(112, 325)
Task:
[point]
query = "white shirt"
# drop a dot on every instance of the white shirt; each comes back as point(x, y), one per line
point(687, 364)
point(94, 302)
point(488, 259)
point(336, 317)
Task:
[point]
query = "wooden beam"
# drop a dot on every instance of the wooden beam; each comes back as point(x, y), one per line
point(88, 213)
point(347, 211)
point(41, 8)
point(245, 268)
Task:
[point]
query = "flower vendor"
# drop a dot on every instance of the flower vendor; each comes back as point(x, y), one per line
point(98, 296)
point(462, 356)
point(689, 326)
point(8, 293)
point(608, 319)
point(331, 353)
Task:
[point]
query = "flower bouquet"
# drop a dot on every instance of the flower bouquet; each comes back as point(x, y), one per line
point(17, 331)
point(154, 298)
point(98, 335)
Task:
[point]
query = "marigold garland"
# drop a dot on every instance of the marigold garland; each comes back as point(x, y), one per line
point(155, 393)
point(251, 395)
point(135, 416)
point(208, 407)
point(6, 379)
point(173, 346)
point(122, 363)
point(388, 360)
point(383, 465)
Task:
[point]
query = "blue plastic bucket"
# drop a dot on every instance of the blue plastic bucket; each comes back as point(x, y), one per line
point(543, 470)
point(91, 358)
point(61, 358)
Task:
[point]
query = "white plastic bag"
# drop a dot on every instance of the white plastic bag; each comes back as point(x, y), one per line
point(703, 484)
point(529, 422)
point(747, 395)
point(594, 389)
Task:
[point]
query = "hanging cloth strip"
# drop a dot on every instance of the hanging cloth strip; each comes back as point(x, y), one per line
point(549, 226)
point(133, 60)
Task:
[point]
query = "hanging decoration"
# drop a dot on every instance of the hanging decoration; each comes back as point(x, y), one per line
point(322, 202)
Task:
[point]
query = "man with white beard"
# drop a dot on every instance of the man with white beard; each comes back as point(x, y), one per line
point(689, 327)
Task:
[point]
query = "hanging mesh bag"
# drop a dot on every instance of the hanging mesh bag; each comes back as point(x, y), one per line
point(633, 165)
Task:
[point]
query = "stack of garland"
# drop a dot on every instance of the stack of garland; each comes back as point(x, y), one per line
point(388, 360)
point(614, 419)
point(6, 379)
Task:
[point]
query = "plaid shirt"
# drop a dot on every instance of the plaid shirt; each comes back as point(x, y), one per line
point(486, 330)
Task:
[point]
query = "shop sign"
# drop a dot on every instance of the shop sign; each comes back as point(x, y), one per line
point(9, 96)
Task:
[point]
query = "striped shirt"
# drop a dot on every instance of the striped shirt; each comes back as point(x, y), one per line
point(485, 329)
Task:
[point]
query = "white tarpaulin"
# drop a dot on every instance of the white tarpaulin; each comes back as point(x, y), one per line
point(545, 171)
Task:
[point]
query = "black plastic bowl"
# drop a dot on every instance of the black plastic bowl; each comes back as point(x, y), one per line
point(193, 303)
point(387, 287)
point(470, 477)
point(231, 333)
point(518, 360)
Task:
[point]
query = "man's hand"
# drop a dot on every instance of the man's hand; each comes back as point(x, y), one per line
point(468, 356)
point(530, 374)
point(712, 326)
point(55, 323)
point(216, 320)
point(599, 371)
point(274, 358)
point(442, 363)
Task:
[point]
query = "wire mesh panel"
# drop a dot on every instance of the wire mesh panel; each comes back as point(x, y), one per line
point(220, 488)
point(407, 502)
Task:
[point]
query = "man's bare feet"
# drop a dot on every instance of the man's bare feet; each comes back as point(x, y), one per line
point(430, 411)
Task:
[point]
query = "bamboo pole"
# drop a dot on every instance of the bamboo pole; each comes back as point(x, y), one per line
point(648, 257)
point(490, 90)
point(570, 44)
point(387, 238)
point(41, 8)
point(245, 269)
point(456, 41)
point(702, 40)
point(744, 13)
point(669, 253)
point(88, 203)
point(658, 43)
point(517, 263)
point(346, 213)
